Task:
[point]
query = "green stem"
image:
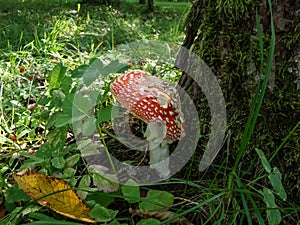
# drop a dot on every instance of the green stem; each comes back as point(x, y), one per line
point(106, 149)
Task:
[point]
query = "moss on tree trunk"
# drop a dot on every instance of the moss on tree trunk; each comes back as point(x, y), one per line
point(223, 33)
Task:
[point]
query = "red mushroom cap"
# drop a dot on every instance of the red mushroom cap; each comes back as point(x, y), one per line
point(151, 99)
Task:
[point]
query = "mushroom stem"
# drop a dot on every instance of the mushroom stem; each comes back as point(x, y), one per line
point(159, 148)
point(159, 160)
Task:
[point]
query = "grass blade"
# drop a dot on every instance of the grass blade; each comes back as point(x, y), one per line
point(260, 92)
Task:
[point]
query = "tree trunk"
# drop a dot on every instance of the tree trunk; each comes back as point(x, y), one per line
point(151, 5)
point(225, 37)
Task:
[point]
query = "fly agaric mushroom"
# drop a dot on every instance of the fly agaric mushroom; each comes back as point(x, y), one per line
point(156, 102)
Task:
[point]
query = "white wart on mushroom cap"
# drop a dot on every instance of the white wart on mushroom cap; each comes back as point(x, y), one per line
point(151, 99)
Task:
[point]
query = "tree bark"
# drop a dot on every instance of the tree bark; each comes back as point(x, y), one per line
point(225, 37)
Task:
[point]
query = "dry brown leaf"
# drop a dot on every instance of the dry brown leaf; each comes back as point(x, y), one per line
point(50, 192)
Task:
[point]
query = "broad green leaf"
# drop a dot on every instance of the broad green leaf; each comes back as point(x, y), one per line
point(83, 143)
point(81, 106)
point(52, 119)
point(90, 149)
point(62, 119)
point(264, 160)
point(58, 162)
point(15, 194)
point(84, 183)
point(94, 96)
point(79, 71)
point(106, 114)
point(57, 97)
point(72, 160)
point(44, 151)
point(66, 85)
point(150, 221)
point(77, 104)
point(56, 76)
point(114, 67)
point(89, 126)
point(102, 214)
point(131, 191)
point(68, 172)
point(156, 200)
point(58, 137)
point(114, 222)
point(273, 213)
point(104, 184)
point(44, 100)
point(99, 197)
point(93, 71)
point(275, 179)
point(67, 106)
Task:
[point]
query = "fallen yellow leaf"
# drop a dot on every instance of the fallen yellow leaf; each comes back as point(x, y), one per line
point(52, 192)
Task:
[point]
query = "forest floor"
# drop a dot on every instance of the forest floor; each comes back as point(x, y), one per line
point(45, 48)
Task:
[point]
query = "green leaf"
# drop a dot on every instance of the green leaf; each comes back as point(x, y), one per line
point(104, 184)
point(99, 197)
point(79, 71)
point(84, 183)
point(44, 151)
point(57, 97)
point(94, 96)
point(57, 137)
point(156, 200)
point(114, 222)
point(52, 120)
point(67, 106)
point(72, 160)
point(131, 191)
point(66, 85)
point(102, 214)
point(58, 162)
point(275, 179)
point(114, 67)
point(80, 106)
point(89, 126)
point(62, 119)
point(14, 194)
point(93, 71)
point(106, 114)
point(44, 100)
point(273, 213)
point(264, 160)
point(3, 168)
point(69, 173)
point(150, 221)
point(56, 76)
